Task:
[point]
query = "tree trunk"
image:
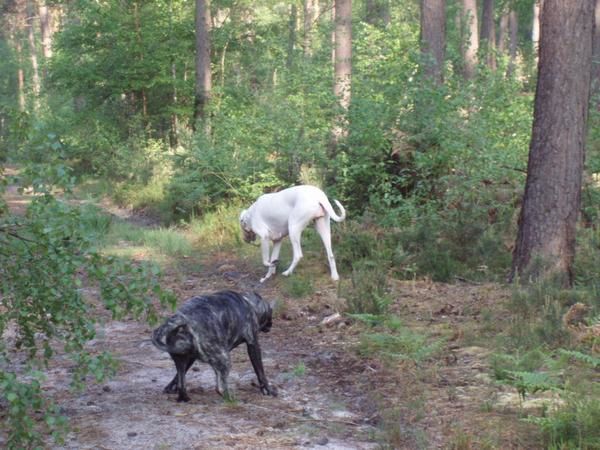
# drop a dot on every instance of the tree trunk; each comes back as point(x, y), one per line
point(310, 13)
point(203, 73)
point(535, 26)
point(292, 24)
point(513, 31)
point(138, 32)
point(433, 38)
point(596, 58)
point(20, 71)
point(342, 65)
point(545, 245)
point(35, 74)
point(488, 33)
point(502, 34)
point(472, 45)
point(46, 29)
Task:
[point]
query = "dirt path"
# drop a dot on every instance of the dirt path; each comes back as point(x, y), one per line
point(329, 397)
point(313, 409)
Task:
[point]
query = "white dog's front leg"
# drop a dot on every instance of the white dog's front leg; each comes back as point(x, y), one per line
point(271, 262)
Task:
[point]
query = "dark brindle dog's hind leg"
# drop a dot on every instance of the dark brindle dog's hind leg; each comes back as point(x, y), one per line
point(221, 364)
point(182, 364)
point(172, 388)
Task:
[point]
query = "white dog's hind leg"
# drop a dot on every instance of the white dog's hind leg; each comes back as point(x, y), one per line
point(323, 227)
point(295, 234)
point(272, 261)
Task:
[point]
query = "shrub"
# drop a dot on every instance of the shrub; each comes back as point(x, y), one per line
point(368, 293)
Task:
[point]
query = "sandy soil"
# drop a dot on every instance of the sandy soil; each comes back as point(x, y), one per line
point(329, 397)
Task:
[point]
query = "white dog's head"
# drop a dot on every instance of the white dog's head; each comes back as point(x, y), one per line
point(249, 235)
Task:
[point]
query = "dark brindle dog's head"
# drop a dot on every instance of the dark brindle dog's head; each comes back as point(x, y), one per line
point(249, 235)
point(264, 311)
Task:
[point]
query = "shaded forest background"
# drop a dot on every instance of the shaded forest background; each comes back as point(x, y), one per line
point(429, 158)
point(110, 89)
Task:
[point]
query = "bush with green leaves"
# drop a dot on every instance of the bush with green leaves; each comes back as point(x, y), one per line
point(47, 257)
point(390, 340)
point(368, 292)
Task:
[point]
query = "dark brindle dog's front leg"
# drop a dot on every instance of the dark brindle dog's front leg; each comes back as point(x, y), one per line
point(256, 358)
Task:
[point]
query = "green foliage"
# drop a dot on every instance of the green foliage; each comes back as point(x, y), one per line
point(219, 228)
point(46, 258)
point(298, 286)
point(28, 413)
point(392, 341)
point(539, 311)
point(590, 360)
point(574, 425)
point(368, 292)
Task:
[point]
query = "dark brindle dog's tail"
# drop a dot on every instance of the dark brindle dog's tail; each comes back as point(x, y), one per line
point(161, 336)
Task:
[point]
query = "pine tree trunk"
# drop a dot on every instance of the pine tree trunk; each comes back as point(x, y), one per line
point(488, 33)
point(342, 65)
point(472, 46)
point(502, 34)
point(35, 74)
point(513, 32)
point(292, 25)
point(433, 38)
point(46, 29)
point(310, 12)
point(535, 26)
point(596, 58)
point(203, 72)
point(545, 245)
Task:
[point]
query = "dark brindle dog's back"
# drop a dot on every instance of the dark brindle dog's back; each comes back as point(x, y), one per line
point(207, 328)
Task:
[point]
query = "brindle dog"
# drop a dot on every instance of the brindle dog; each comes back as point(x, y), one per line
point(207, 328)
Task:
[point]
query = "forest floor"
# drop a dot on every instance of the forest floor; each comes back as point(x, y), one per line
point(330, 396)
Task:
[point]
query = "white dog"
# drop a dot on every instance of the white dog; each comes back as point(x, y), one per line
point(274, 216)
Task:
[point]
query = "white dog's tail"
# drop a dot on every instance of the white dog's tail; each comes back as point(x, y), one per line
point(327, 207)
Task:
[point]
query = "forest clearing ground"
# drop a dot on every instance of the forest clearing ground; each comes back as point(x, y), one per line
point(329, 396)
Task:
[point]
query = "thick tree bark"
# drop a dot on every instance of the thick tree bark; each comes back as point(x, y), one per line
point(433, 38)
point(342, 64)
point(487, 36)
point(545, 245)
point(203, 72)
point(472, 44)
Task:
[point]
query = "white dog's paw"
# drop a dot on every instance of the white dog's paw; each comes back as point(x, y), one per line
point(335, 277)
point(287, 273)
point(266, 277)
